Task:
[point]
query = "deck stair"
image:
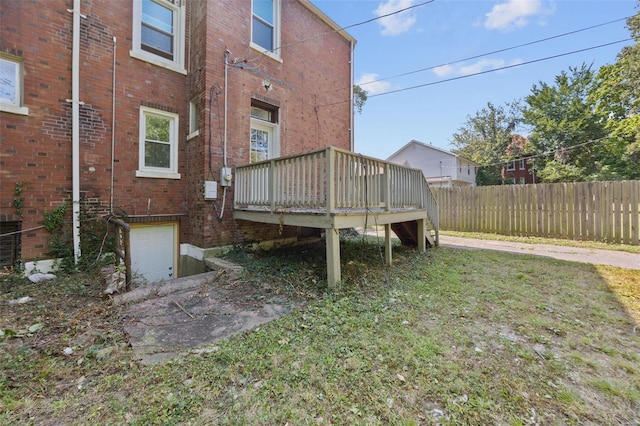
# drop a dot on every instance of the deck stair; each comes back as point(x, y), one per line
point(407, 232)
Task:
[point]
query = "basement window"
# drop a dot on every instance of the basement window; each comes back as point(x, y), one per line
point(9, 244)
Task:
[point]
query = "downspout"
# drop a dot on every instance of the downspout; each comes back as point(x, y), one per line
point(351, 107)
point(113, 126)
point(75, 129)
point(224, 137)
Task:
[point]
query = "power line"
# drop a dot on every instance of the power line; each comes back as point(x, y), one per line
point(495, 51)
point(500, 68)
point(433, 83)
point(550, 152)
point(352, 25)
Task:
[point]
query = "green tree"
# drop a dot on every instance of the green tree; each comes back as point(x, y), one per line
point(616, 96)
point(565, 123)
point(359, 98)
point(485, 139)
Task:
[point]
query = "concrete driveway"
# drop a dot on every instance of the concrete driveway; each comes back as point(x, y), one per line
point(574, 254)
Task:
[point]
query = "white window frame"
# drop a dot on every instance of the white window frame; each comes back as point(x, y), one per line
point(15, 105)
point(274, 132)
point(511, 166)
point(179, 21)
point(193, 119)
point(274, 53)
point(522, 164)
point(159, 172)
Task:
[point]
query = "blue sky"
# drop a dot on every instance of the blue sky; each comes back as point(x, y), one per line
point(445, 31)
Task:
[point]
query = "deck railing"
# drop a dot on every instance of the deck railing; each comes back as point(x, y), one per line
point(332, 181)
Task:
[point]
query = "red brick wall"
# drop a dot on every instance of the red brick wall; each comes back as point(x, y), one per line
point(36, 149)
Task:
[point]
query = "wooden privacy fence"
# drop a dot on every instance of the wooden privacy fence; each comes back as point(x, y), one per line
point(594, 211)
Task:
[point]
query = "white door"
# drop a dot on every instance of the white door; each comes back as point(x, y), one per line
point(153, 252)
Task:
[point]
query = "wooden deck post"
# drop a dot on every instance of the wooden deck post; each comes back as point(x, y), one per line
point(331, 181)
point(422, 235)
point(332, 237)
point(388, 257)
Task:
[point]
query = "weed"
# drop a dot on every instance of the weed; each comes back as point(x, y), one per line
point(451, 337)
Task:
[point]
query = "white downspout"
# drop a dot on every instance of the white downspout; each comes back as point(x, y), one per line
point(113, 127)
point(351, 108)
point(75, 128)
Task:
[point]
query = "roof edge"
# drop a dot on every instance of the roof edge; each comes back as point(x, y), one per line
point(435, 148)
point(327, 20)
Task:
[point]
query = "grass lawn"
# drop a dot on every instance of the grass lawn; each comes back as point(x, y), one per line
point(446, 337)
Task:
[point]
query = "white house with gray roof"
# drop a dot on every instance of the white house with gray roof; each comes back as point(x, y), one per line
point(442, 169)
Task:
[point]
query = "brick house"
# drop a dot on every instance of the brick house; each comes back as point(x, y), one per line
point(142, 109)
point(521, 169)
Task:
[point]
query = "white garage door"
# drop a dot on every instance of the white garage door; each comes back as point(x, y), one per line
point(153, 255)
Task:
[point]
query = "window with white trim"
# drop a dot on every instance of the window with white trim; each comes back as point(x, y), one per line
point(159, 32)
point(263, 143)
point(511, 165)
point(158, 144)
point(193, 119)
point(265, 26)
point(522, 164)
point(11, 75)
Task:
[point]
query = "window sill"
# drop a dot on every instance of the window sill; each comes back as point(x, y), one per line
point(193, 134)
point(152, 59)
point(264, 51)
point(14, 109)
point(157, 174)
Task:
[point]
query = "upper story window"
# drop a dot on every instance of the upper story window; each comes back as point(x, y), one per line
point(11, 85)
point(159, 32)
point(158, 144)
point(511, 165)
point(522, 164)
point(265, 27)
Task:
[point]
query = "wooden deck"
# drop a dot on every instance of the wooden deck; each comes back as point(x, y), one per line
point(333, 189)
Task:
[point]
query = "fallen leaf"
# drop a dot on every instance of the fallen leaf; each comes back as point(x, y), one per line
point(400, 377)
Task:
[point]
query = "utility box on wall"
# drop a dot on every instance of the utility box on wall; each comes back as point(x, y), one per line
point(226, 176)
point(210, 190)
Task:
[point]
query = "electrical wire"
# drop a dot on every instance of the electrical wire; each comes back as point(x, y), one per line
point(502, 68)
point(351, 26)
point(433, 83)
point(494, 52)
point(550, 152)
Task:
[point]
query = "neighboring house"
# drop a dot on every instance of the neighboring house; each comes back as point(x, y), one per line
point(520, 170)
point(441, 168)
point(142, 109)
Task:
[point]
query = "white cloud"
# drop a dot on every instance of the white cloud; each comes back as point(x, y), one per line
point(480, 66)
point(444, 71)
point(370, 85)
point(475, 68)
point(514, 14)
point(398, 23)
